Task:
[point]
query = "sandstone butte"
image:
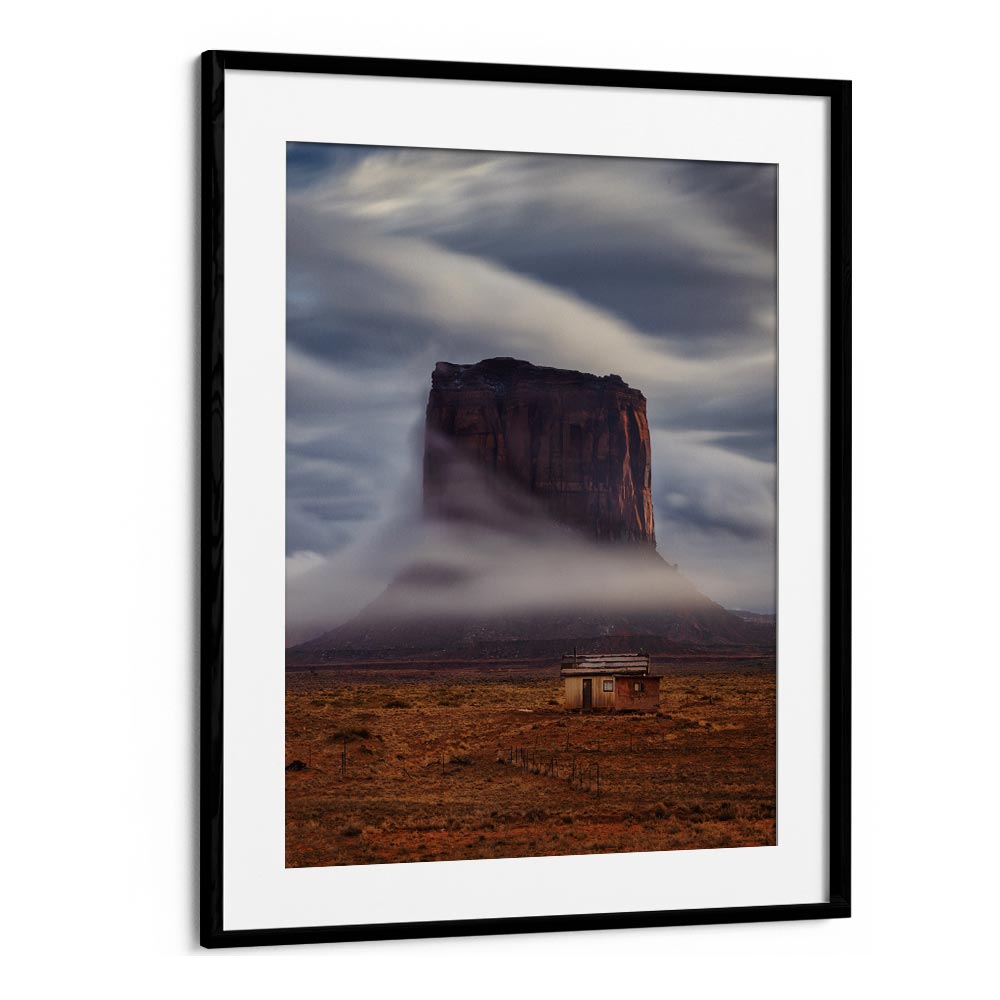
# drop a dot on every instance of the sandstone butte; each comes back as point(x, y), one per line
point(512, 445)
point(578, 443)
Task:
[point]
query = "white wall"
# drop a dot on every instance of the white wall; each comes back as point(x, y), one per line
point(98, 378)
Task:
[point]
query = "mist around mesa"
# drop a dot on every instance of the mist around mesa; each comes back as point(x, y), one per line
point(496, 553)
point(660, 271)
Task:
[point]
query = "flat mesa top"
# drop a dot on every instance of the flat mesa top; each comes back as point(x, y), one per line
point(498, 373)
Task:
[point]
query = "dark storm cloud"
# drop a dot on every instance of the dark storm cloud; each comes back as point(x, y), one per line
point(594, 227)
point(660, 271)
point(758, 443)
point(638, 272)
point(742, 419)
point(307, 162)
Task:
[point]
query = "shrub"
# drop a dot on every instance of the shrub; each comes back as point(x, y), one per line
point(349, 734)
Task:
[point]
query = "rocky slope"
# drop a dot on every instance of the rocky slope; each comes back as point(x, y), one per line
point(685, 622)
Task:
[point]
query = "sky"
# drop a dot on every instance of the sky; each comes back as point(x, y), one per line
point(661, 271)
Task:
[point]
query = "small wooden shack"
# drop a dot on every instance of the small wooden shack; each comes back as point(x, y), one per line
point(617, 682)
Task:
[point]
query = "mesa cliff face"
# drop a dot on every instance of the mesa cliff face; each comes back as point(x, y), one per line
point(576, 443)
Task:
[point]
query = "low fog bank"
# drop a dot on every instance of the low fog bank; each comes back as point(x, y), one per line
point(495, 552)
point(469, 571)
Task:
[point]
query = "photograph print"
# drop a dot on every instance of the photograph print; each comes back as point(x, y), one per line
point(531, 462)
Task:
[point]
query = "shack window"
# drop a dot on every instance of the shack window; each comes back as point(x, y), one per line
point(638, 686)
point(609, 685)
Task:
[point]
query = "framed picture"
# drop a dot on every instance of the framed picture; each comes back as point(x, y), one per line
point(525, 498)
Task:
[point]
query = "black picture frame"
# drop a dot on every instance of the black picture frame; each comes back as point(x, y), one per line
point(838, 92)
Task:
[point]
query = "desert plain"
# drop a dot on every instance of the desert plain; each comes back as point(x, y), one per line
point(439, 762)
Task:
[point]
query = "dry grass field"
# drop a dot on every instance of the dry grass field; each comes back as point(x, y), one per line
point(423, 764)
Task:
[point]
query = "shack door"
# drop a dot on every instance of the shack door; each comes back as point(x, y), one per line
point(588, 692)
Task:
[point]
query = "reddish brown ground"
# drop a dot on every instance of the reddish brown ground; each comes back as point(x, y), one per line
point(411, 764)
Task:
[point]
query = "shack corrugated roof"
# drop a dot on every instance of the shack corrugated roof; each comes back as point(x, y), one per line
point(579, 664)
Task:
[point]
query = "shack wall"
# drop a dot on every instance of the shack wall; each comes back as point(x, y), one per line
point(601, 698)
point(574, 692)
point(627, 699)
